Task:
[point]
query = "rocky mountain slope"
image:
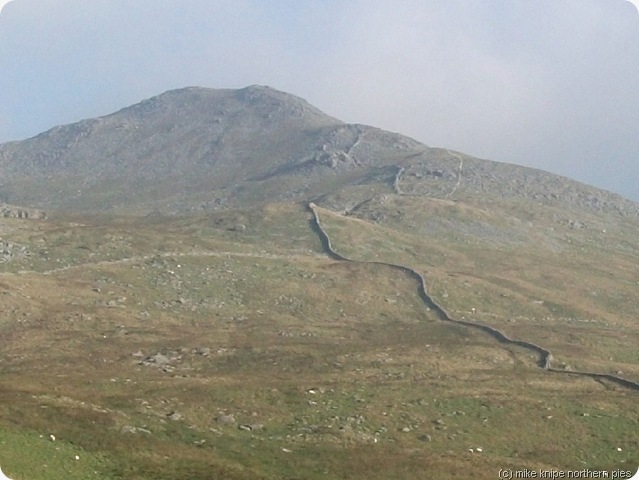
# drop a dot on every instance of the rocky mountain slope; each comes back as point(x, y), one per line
point(198, 149)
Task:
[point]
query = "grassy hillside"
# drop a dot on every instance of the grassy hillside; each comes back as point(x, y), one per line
point(230, 346)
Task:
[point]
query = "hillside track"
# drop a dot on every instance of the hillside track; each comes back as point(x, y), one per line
point(459, 175)
point(142, 258)
point(544, 355)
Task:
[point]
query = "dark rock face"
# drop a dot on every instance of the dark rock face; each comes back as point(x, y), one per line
point(198, 149)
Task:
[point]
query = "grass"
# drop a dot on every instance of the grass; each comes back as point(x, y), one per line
point(25, 454)
point(335, 369)
point(566, 297)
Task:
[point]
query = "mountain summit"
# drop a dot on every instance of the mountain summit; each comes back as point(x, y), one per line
point(197, 149)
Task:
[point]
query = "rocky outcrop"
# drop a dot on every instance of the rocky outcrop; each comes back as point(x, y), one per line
point(10, 211)
point(10, 251)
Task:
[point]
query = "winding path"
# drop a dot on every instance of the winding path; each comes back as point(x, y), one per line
point(545, 357)
point(396, 180)
point(459, 175)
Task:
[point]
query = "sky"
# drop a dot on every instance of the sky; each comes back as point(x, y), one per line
point(551, 84)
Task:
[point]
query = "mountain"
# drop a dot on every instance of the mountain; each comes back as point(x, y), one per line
point(198, 149)
point(232, 284)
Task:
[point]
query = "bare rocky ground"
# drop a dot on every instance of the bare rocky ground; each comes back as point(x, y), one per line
point(197, 150)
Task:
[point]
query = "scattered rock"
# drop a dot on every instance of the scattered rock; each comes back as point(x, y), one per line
point(225, 419)
point(132, 429)
point(576, 224)
point(157, 359)
point(203, 351)
point(175, 416)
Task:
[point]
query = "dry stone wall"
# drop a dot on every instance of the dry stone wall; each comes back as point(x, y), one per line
point(545, 357)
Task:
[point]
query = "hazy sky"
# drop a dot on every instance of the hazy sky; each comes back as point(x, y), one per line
point(552, 84)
